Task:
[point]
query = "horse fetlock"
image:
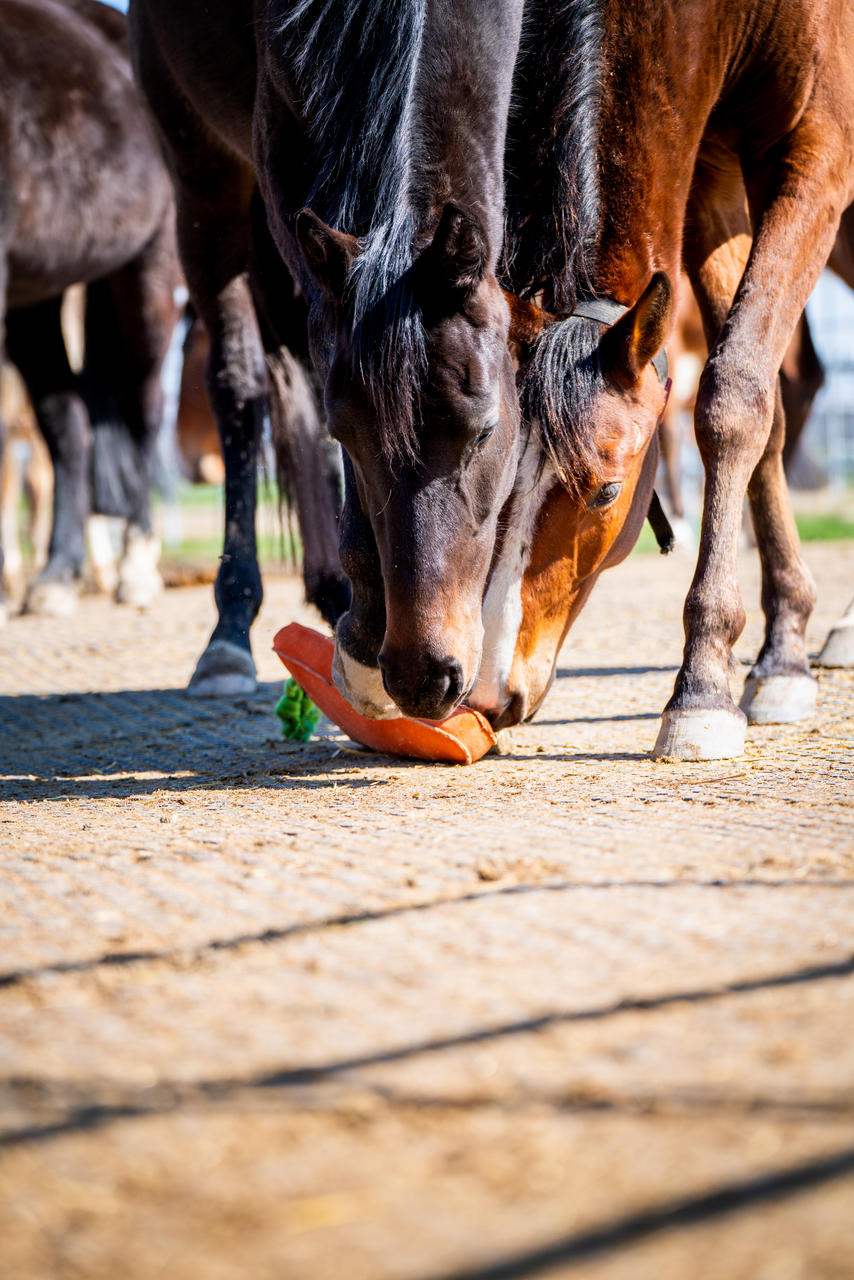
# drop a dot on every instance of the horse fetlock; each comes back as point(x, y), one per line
point(224, 670)
point(714, 621)
point(779, 699)
point(693, 734)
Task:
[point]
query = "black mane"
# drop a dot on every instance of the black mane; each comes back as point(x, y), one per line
point(359, 114)
point(553, 217)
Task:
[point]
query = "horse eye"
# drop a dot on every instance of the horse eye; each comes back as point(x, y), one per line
point(606, 495)
point(484, 435)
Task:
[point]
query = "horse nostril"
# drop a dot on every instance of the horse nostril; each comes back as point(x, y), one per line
point(454, 677)
point(429, 688)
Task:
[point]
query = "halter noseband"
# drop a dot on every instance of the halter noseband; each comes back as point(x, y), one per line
point(607, 311)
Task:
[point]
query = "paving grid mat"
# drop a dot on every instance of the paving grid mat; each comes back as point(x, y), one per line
point(271, 1009)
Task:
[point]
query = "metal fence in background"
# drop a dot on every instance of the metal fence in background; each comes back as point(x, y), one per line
point(829, 434)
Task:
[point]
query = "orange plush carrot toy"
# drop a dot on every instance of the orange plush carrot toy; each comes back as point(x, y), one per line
point(461, 739)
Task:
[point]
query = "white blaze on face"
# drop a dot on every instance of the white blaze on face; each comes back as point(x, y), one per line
point(502, 605)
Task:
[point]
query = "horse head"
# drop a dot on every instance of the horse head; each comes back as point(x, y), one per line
point(420, 391)
point(592, 394)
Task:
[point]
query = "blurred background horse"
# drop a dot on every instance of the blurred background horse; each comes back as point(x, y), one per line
point(85, 198)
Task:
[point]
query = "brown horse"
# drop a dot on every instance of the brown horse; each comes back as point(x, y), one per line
point(718, 136)
point(83, 198)
point(389, 120)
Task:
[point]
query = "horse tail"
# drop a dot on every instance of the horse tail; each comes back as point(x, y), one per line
point(309, 477)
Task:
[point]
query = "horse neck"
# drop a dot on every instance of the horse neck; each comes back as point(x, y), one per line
point(404, 106)
point(600, 154)
point(460, 108)
point(651, 121)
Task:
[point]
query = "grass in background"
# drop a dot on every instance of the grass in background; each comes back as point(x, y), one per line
point(202, 511)
point(812, 527)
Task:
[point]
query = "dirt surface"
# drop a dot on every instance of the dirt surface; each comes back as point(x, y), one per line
point(273, 1011)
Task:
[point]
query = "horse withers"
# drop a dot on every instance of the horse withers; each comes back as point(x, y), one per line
point(358, 149)
point(741, 169)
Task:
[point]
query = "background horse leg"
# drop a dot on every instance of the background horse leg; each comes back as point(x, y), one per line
point(838, 650)
point(779, 688)
point(34, 343)
point(142, 302)
point(307, 461)
point(214, 250)
point(734, 418)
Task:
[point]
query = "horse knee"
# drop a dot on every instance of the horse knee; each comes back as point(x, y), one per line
point(734, 408)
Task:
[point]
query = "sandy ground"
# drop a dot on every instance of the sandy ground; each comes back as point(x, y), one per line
point(273, 1011)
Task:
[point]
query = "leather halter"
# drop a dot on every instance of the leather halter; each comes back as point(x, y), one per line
point(607, 311)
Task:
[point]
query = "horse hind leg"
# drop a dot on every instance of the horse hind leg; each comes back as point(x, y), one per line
point(135, 307)
point(779, 688)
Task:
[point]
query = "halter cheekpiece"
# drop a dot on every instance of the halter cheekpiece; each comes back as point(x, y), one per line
point(607, 311)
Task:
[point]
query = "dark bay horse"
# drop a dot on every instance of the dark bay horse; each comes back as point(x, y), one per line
point(721, 137)
point(84, 198)
point(389, 121)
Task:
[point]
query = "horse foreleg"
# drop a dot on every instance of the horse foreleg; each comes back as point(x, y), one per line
point(735, 412)
point(237, 387)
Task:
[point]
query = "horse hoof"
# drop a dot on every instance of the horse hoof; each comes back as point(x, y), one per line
point(838, 648)
point(139, 591)
point(700, 735)
point(778, 699)
point(51, 599)
point(224, 670)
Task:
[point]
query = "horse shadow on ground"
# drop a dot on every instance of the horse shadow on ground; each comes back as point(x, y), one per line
point(102, 745)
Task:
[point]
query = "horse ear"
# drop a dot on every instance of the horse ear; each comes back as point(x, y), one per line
point(460, 248)
point(328, 254)
point(639, 335)
point(527, 320)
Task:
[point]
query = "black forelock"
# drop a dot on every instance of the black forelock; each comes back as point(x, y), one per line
point(559, 388)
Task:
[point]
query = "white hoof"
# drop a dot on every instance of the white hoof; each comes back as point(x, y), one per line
point(700, 735)
point(838, 648)
point(504, 743)
point(224, 670)
point(778, 699)
point(51, 599)
point(139, 580)
point(362, 687)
